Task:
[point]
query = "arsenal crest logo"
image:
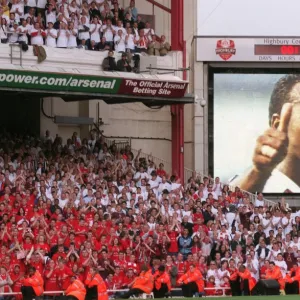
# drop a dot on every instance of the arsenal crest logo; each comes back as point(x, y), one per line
point(225, 48)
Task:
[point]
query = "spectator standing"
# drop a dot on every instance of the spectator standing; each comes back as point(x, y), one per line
point(119, 42)
point(51, 36)
point(83, 33)
point(132, 10)
point(142, 42)
point(3, 31)
point(37, 35)
point(23, 31)
point(72, 33)
point(62, 36)
point(108, 32)
point(95, 30)
point(18, 9)
point(148, 31)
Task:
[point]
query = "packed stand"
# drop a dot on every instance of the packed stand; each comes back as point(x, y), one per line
point(82, 214)
point(94, 25)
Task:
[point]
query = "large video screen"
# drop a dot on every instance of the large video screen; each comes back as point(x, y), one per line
point(241, 115)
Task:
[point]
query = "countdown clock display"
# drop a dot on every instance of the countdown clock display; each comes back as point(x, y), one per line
point(276, 50)
point(248, 49)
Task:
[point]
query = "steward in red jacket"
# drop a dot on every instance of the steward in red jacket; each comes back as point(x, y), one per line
point(192, 282)
point(96, 287)
point(162, 283)
point(247, 281)
point(33, 285)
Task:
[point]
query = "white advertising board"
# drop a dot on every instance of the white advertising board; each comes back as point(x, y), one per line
point(248, 18)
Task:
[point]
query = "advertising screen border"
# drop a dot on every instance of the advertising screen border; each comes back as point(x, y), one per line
point(210, 109)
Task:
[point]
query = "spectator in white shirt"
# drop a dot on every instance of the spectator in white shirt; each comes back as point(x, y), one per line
point(3, 31)
point(51, 14)
point(72, 40)
point(62, 36)
point(83, 33)
point(18, 9)
point(119, 41)
point(51, 36)
point(13, 33)
point(64, 13)
point(281, 264)
point(72, 8)
point(23, 31)
point(95, 30)
point(29, 25)
point(259, 201)
point(149, 31)
point(37, 35)
point(108, 32)
point(119, 26)
point(31, 14)
point(141, 42)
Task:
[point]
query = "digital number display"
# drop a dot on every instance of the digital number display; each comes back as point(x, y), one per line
point(276, 50)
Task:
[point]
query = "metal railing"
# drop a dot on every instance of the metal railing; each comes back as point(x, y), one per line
point(120, 144)
point(223, 289)
point(156, 160)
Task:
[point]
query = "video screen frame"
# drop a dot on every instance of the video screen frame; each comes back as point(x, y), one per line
point(210, 109)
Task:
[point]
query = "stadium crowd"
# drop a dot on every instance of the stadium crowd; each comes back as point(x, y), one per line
point(80, 215)
point(95, 25)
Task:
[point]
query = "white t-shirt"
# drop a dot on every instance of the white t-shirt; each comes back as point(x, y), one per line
point(119, 43)
point(116, 28)
point(259, 202)
point(108, 33)
point(130, 41)
point(50, 41)
point(95, 36)
point(51, 17)
point(84, 35)
point(283, 267)
point(288, 223)
point(23, 37)
point(31, 3)
point(41, 3)
point(38, 39)
point(265, 222)
point(148, 33)
point(72, 41)
point(12, 38)
point(20, 8)
point(62, 40)
point(3, 31)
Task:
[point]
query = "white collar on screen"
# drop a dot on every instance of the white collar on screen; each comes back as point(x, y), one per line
point(279, 183)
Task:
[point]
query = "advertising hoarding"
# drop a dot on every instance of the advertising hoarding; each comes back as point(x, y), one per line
point(62, 82)
point(248, 18)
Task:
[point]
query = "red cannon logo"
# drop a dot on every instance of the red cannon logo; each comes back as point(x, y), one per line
point(225, 48)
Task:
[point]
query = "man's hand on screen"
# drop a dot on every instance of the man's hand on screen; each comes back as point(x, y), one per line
point(271, 147)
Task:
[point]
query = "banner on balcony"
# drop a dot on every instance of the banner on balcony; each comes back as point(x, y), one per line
point(72, 83)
